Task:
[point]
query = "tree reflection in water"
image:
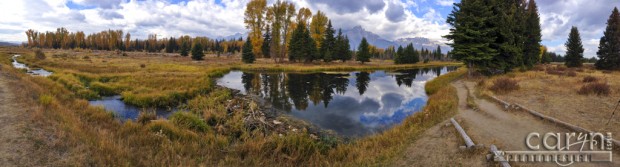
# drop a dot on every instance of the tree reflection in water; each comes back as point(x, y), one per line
point(350, 103)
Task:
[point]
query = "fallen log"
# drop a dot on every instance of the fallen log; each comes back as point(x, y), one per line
point(468, 142)
point(502, 161)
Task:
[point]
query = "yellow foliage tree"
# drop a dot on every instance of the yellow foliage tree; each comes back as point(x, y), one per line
point(255, 22)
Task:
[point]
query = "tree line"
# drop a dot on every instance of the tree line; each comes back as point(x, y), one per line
point(280, 31)
point(117, 40)
point(495, 36)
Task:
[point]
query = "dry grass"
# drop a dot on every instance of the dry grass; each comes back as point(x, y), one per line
point(206, 135)
point(504, 85)
point(557, 96)
point(587, 79)
point(597, 88)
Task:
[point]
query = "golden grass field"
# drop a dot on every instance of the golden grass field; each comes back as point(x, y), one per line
point(556, 95)
point(75, 134)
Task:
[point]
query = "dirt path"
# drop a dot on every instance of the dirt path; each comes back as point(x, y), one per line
point(14, 144)
point(488, 125)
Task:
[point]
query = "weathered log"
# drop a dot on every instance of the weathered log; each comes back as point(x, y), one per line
point(468, 142)
point(502, 161)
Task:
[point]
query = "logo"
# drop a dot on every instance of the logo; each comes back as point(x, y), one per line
point(562, 148)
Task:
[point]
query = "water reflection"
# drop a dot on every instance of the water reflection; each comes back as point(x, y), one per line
point(34, 72)
point(125, 111)
point(351, 103)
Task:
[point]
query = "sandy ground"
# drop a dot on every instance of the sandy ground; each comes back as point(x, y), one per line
point(14, 143)
point(439, 146)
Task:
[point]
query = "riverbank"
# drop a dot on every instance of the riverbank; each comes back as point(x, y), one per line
point(211, 133)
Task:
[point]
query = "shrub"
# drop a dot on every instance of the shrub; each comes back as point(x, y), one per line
point(504, 85)
point(539, 68)
point(39, 54)
point(146, 117)
point(590, 79)
point(600, 89)
point(163, 128)
point(571, 73)
point(189, 121)
point(142, 65)
point(46, 99)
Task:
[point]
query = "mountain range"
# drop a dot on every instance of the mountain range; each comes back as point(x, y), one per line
point(356, 34)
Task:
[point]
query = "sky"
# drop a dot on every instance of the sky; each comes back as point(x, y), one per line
point(391, 19)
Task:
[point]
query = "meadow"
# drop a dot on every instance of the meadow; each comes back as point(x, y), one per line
point(214, 131)
point(581, 96)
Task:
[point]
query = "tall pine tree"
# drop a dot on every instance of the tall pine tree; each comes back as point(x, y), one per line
point(471, 33)
point(533, 36)
point(184, 49)
point(197, 53)
point(574, 49)
point(328, 44)
point(363, 52)
point(266, 48)
point(248, 56)
point(609, 45)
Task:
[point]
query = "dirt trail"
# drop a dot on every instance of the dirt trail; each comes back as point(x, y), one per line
point(13, 123)
point(488, 125)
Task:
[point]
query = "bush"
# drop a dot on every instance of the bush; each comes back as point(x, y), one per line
point(504, 85)
point(39, 54)
point(146, 117)
point(589, 79)
point(600, 89)
point(142, 65)
point(539, 68)
point(189, 121)
point(571, 73)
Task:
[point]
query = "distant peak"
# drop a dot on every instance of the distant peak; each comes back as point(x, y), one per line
point(358, 27)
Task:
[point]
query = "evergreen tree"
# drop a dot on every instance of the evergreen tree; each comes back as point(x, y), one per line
point(472, 35)
point(327, 46)
point(172, 44)
point(342, 49)
point(609, 45)
point(438, 55)
point(510, 29)
point(248, 56)
point(363, 52)
point(266, 47)
point(533, 36)
point(184, 48)
point(574, 49)
point(197, 53)
point(302, 46)
point(338, 47)
point(398, 58)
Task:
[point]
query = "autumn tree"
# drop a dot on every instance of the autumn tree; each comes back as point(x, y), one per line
point(318, 26)
point(609, 45)
point(255, 22)
point(574, 49)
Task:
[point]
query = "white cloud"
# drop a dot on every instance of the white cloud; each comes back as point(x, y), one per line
point(590, 17)
point(445, 2)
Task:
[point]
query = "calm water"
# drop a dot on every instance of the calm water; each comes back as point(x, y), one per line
point(125, 111)
point(34, 72)
point(350, 103)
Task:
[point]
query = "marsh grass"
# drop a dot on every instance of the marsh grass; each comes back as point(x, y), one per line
point(208, 134)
